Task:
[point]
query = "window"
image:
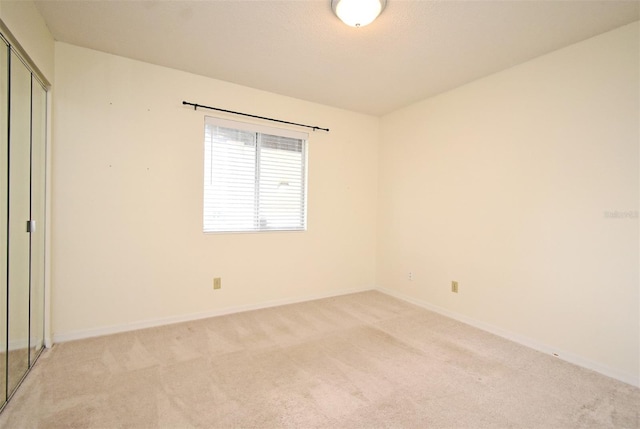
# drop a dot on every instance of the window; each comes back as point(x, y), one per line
point(254, 178)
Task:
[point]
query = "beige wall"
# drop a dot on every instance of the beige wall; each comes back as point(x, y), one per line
point(128, 246)
point(27, 26)
point(506, 184)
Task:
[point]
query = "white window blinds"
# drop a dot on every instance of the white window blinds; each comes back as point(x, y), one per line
point(254, 178)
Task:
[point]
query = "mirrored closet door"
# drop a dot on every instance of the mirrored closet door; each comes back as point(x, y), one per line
point(23, 101)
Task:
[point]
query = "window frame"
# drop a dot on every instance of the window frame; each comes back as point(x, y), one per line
point(209, 226)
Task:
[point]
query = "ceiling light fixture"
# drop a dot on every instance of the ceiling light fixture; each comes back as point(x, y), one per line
point(358, 13)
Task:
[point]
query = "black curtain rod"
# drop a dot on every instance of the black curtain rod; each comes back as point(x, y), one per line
point(195, 107)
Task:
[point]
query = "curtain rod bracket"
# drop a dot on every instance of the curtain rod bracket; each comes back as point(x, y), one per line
point(195, 107)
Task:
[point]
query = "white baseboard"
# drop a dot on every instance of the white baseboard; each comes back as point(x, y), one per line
point(528, 342)
point(114, 329)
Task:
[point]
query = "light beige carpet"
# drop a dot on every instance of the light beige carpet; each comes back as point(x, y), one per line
point(358, 361)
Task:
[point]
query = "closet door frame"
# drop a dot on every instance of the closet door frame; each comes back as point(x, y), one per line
point(39, 92)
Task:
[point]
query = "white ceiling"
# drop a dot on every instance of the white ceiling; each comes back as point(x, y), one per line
point(298, 48)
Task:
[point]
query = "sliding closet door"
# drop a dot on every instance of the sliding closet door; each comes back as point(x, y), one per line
point(4, 214)
point(23, 120)
point(38, 212)
point(19, 214)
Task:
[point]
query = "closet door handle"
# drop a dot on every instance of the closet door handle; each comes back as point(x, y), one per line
point(31, 226)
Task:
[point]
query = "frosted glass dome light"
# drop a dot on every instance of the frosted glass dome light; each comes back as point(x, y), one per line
point(357, 13)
